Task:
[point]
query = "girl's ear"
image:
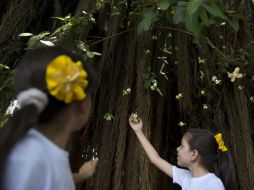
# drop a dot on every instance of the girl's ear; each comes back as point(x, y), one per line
point(195, 155)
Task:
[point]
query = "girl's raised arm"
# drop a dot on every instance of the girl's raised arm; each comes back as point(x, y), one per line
point(137, 124)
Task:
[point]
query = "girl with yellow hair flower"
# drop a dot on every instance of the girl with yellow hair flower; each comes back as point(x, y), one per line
point(54, 91)
point(199, 152)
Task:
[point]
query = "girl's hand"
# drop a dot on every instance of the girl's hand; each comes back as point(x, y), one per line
point(135, 123)
point(88, 169)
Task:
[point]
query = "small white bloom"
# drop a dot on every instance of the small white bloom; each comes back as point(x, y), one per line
point(153, 87)
point(240, 87)
point(202, 75)
point(201, 60)
point(181, 124)
point(252, 99)
point(214, 78)
point(217, 81)
point(202, 92)
point(205, 106)
point(179, 96)
point(236, 74)
point(154, 37)
point(127, 91)
point(147, 51)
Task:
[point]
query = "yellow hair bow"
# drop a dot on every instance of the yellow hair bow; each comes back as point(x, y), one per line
point(66, 79)
point(221, 145)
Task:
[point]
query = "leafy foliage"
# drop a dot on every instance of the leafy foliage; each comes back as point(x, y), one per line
point(72, 26)
point(197, 15)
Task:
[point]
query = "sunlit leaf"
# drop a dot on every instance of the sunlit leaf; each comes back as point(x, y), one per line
point(164, 4)
point(47, 43)
point(26, 34)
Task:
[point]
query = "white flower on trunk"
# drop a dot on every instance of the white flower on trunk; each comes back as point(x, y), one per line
point(236, 74)
point(181, 124)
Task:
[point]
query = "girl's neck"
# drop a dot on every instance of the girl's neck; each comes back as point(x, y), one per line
point(57, 134)
point(198, 171)
point(59, 129)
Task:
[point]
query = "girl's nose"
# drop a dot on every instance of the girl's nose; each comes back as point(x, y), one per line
point(177, 148)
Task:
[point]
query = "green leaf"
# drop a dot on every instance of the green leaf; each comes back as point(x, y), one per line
point(90, 54)
point(191, 22)
point(151, 16)
point(251, 60)
point(214, 10)
point(234, 24)
point(179, 15)
point(146, 76)
point(33, 42)
point(43, 34)
point(196, 33)
point(60, 18)
point(164, 4)
point(193, 6)
point(203, 16)
point(144, 25)
point(182, 3)
point(4, 67)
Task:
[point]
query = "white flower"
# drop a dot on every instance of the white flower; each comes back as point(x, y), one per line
point(217, 81)
point(201, 60)
point(154, 85)
point(252, 99)
point(147, 51)
point(127, 91)
point(235, 74)
point(202, 92)
point(205, 106)
point(240, 87)
point(181, 124)
point(179, 96)
point(154, 37)
point(214, 78)
point(202, 75)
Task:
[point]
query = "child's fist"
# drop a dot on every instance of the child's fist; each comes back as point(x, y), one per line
point(135, 122)
point(88, 168)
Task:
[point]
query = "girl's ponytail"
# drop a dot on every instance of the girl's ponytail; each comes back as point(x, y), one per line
point(226, 170)
point(214, 155)
point(17, 126)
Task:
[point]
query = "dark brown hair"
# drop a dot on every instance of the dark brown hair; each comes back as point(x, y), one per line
point(211, 157)
point(30, 73)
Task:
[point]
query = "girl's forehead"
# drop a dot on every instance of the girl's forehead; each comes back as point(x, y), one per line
point(185, 138)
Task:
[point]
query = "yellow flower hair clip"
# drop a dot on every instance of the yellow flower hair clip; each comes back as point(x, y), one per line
point(221, 145)
point(66, 80)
